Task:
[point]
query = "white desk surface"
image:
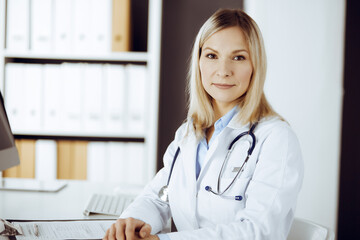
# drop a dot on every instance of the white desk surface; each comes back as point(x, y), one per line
point(66, 204)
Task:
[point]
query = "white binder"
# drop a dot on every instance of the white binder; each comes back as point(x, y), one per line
point(72, 98)
point(97, 161)
point(63, 25)
point(15, 95)
point(33, 77)
point(101, 12)
point(116, 162)
point(17, 36)
point(52, 97)
point(41, 26)
point(93, 98)
point(115, 97)
point(136, 165)
point(136, 80)
point(45, 160)
point(82, 25)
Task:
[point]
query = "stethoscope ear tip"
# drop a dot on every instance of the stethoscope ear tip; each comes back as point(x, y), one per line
point(208, 188)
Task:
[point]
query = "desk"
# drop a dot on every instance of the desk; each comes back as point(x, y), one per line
point(65, 204)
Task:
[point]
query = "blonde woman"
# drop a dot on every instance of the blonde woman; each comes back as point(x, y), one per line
point(234, 169)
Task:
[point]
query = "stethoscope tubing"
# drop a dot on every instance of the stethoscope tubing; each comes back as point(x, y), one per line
point(230, 148)
point(172, 165)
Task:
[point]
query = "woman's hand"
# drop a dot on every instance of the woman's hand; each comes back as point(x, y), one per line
point(129, 229)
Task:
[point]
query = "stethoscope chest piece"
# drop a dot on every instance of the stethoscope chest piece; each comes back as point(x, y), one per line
point(164, 194)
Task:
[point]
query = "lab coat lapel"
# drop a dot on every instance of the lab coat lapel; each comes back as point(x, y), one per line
point(208, 158)
point(189, 150)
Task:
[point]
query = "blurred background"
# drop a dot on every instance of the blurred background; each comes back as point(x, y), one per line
point(95, 89)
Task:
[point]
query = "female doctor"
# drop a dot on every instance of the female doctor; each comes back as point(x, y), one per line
point(234, 169)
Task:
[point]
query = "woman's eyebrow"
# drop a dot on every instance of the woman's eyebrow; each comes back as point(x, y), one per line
point(240, 50)
point(235, 51)
point(209, 48)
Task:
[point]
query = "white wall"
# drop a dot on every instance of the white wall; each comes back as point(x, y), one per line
point(304, 44)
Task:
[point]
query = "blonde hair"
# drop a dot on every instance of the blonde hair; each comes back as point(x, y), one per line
point(253, 103)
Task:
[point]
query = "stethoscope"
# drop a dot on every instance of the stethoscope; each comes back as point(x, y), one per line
point(164, 193)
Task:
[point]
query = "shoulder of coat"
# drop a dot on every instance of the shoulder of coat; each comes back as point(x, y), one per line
point(274, 125)
point(185, 131)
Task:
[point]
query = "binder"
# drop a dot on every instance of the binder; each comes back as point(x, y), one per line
point(52, 94)
point(97, 161)
point(121, 19)
point(63, 27)
point(27, 158)
point(45, 160)
point(137, 85)
point(15, 95)
point(115, 98)
point(79, 160)
point(17, 36)
point(101, 26)
point(71, 156)
point(93, 98)
point(82, 25)
point(64, 158)
point(41, 25)
point(33, 97)
point(136, 165)
point(72, 97)
point(117, 162)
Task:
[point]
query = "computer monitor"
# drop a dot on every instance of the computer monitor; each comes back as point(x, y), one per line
point(8, 153)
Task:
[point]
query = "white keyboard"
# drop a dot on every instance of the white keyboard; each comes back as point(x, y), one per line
point(107, 204)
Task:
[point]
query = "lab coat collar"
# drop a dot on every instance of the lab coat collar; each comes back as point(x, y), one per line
point(224, 120)
point(236, 124)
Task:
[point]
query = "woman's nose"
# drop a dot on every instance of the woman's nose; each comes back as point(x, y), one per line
point(223, 69)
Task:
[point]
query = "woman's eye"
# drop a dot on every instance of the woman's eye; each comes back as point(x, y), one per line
point(211, 56)
point(237, 58)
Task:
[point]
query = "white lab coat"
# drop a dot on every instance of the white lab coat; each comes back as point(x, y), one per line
point(269, 185)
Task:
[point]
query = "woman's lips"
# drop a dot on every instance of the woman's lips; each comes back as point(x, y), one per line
point(223, 86)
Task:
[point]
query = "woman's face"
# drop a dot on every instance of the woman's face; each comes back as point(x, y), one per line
point(225, 67)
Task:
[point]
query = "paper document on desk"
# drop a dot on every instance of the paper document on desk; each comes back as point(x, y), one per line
point(64, 230)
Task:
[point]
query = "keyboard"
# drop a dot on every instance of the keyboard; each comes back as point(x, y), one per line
point(107, 204)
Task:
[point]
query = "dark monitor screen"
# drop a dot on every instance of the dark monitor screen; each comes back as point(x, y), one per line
point(8, 153)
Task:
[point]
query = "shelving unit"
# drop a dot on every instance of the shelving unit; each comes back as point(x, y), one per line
point(141, 57)
point(151, 59)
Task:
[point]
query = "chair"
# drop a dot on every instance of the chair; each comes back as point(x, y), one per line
point(302, 229)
